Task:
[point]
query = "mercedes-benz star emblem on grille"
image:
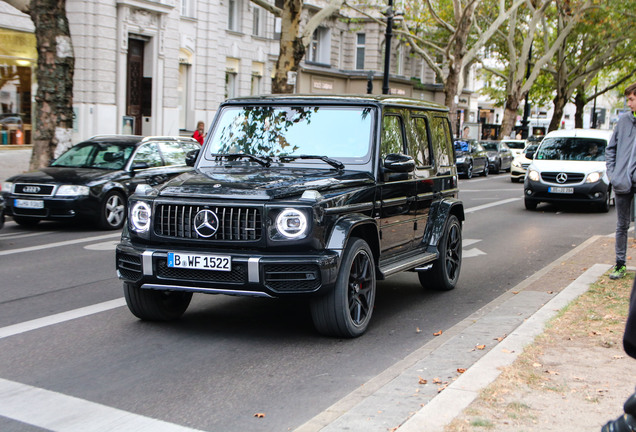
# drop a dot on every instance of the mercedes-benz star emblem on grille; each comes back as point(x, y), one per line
point(31, 189)
point(206, 223)
point(561, 177)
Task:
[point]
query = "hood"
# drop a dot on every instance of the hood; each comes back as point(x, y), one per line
point(262, 184)
point(58, 175)
point(568, 166)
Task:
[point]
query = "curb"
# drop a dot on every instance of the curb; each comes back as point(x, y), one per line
point(445, 407)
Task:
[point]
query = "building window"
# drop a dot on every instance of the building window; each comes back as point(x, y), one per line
point(234, 15)
point(258, 21)
point(360, 44)
point(399, 61)
point(320, 46)
point(258, 69)
point(182, 91)
point(187, 8)
point(231, 77)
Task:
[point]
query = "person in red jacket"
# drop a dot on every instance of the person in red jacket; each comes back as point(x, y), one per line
point(199, 134)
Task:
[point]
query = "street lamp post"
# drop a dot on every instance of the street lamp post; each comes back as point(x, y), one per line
point(525, 127)
point(387, 47)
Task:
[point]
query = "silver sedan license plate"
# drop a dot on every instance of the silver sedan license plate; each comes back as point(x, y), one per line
point(29, 204)
point(561, 190)
point(199, 261)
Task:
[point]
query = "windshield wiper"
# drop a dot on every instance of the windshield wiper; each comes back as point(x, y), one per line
point(334, 163)
point(265, 161)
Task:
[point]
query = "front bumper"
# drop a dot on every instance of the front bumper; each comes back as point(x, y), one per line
point(582, 193)
point(252, 274)
point(53, 208)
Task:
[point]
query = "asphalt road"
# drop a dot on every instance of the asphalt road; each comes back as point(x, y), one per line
point(230, 358)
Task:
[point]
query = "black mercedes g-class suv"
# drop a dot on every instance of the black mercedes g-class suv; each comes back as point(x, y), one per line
point(296, 196)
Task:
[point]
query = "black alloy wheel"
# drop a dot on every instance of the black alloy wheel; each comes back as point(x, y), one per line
point(346, 310)
point(444, 274)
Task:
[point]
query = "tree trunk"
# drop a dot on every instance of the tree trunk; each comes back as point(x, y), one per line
point(509, 118)
point(559, 105)
point(450, 94)
point(292, 49)
point(54, 98)
point(580, 101)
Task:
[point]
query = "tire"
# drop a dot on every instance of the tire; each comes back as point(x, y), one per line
point(530, 204)
point(604, 207)
point(151, 305)
point(497, 168)
point(26, 221)
point(112, 212)
point(485, 171)
point(445, 272)
point(346, 310)
point(469, 171)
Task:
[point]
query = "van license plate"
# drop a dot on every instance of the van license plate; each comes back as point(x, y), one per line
point(199, 261)
point(561, 190)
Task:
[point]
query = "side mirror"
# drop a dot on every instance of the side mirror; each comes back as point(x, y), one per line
point(397, 162)
point(191, 157)
point(530, 155)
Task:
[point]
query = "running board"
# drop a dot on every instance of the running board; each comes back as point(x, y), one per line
point(411, 262)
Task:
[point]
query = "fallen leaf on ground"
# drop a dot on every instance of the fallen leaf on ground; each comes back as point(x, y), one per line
point(481, 347)
point(422, 380)
point(461, 370)
point(259, 415)
point(439, 333)
point(437, 380)
point(417, 330)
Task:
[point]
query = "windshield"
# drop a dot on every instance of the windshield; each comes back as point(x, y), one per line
point(490, 146)
point(95, 155)
point(342, 133)
point(462, 146)
point(517, 145)
point(572, 148)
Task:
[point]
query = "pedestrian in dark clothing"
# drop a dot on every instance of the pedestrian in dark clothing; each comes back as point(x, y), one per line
point(627, 422)
point(620, 157)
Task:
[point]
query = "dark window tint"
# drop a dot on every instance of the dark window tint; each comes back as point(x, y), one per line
point(392, 138)
point(420, 147)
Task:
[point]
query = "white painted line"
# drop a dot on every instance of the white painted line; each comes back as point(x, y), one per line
point(492, 204)
point(58, 244)
point(13, 235)
point(109, 245)
point(62, 413)
point(35, 324)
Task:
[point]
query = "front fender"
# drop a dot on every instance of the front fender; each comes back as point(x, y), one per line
point(346, 225)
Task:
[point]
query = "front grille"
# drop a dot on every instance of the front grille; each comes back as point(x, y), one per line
point(129, 266)
point(235, 223)
point(292, 277)
point(238, 275)
point(33, 189)
point(30, 212)
point(551, 177)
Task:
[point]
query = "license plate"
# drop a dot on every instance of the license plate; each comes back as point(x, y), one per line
point(561, 190)
point(199, 261)
point(29, 204)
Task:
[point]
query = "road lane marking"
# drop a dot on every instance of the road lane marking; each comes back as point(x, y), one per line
point(12, 235)
point(103, 246)
point(59, 244)
point(62, 413)
point(492, 204)
point(38, 323)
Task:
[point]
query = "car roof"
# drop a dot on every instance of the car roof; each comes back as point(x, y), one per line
point(311, 99)
point(134, 139)
point(580, 133)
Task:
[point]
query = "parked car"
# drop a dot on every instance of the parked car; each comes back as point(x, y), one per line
point(569, 167)
point(470, 158)
point(516, 146)
point(521, 163)
point(499, 156)
point(94, 178)
point(301, 197)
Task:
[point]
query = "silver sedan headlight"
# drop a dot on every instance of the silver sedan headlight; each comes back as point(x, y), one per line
point(460, 159)
point(593, 177)
point(72, 190)
point(7, 187)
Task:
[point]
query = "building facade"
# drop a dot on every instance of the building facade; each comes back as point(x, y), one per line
point(157, 67)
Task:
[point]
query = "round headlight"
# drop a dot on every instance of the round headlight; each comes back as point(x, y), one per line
point(593, 177)
point(533, 175)
point(291, 223)
point(7, 187)
point(140, 216)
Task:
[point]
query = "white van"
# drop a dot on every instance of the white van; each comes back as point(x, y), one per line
point(569, 167)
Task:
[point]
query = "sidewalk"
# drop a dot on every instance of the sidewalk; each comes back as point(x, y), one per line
point(469, 378)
